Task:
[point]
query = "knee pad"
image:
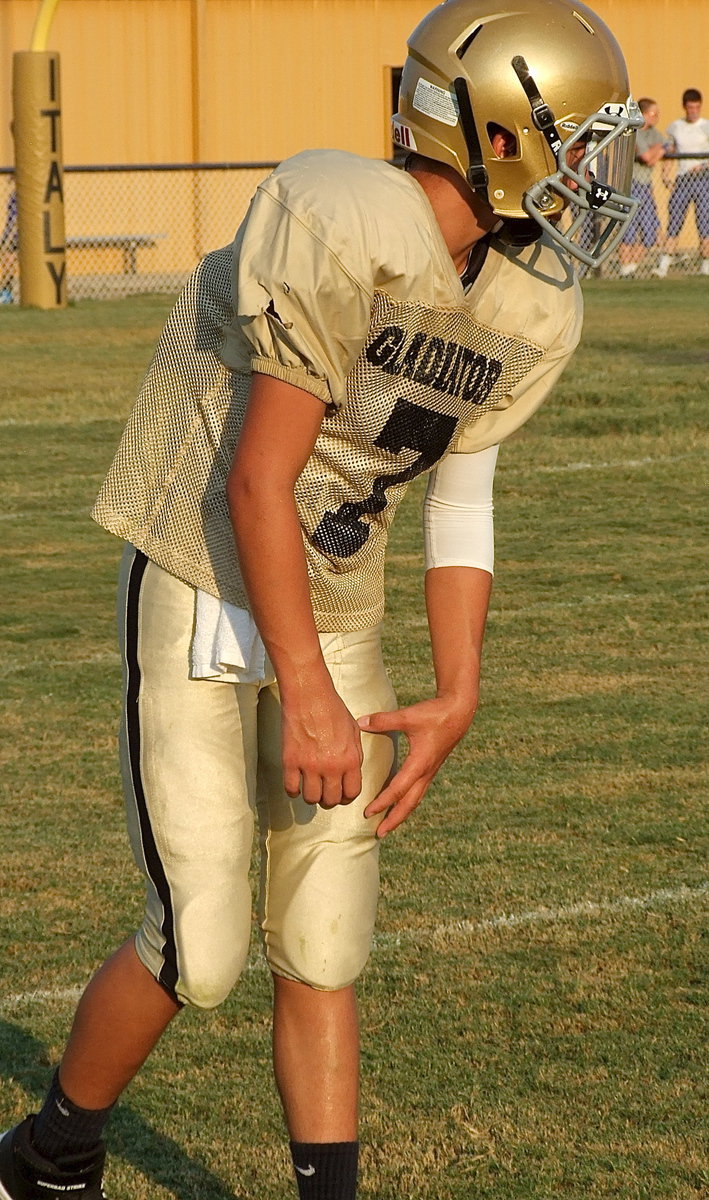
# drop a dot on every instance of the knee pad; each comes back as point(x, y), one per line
point(317, 924)
point(201, 975)
point(206, 989)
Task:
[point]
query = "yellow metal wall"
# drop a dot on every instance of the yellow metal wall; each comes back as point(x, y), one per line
point(179, 80)
point(665, 46)
point(126, 67)
point(186, 80)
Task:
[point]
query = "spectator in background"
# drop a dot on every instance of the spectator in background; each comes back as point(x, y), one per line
point(641, 233)
point(689, 134)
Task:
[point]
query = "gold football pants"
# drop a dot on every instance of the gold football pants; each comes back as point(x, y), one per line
point(200, 759)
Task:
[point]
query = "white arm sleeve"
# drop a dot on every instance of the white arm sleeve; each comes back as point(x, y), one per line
point(457, 512)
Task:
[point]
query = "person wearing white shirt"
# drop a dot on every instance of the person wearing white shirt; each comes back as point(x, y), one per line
point(688, 135)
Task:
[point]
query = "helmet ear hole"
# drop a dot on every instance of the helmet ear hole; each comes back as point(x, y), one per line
point(503, 141)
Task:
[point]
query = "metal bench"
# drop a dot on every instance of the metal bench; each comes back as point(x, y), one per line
point(129, 243)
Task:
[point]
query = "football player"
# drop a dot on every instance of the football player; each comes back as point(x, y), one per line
point(366, 326)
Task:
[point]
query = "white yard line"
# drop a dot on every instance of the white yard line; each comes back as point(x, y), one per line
point(54, 423)
point(585, 908)
point(40, 996)
point(620, 464)
point(446, 932)
point(46, 513)
point(550, 606)
point(104, 658)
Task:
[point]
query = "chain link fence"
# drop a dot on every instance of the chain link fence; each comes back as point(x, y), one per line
point(144, 229)
point(138, 229)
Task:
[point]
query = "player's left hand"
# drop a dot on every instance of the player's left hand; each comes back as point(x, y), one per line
point(432, 728)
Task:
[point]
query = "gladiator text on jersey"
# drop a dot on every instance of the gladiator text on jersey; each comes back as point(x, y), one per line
point(443, 365)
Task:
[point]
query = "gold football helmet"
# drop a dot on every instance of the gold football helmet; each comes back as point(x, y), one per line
point(552, 74)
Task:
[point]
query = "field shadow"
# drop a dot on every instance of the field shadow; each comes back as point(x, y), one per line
point(130, 1137)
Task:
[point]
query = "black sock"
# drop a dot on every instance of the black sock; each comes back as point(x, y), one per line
point(325, 1170)
point(61, 1128)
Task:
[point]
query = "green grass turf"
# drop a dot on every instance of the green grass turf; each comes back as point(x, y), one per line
point(532, 1013)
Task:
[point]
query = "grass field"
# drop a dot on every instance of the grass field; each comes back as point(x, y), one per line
point(532, 1013)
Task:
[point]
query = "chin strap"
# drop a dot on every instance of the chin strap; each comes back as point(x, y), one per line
point(476, 174)
point(518, 231)
point(542, 116)
point(475, 263)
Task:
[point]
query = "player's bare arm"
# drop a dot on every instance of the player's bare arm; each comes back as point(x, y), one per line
point(322, 751)
point(652, 156)
point(457, 600)
point(667, 171)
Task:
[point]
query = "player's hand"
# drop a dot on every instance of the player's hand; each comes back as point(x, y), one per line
point(322, 749)
point(432, 728)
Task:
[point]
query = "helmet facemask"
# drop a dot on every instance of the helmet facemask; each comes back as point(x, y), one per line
point(593, 186)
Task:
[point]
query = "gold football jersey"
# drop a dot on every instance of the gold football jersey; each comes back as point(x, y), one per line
point(338, 282)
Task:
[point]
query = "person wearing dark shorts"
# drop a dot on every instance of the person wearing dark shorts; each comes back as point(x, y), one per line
point(642, 231)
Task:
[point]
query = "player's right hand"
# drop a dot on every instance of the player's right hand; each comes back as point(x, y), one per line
point(321, 749)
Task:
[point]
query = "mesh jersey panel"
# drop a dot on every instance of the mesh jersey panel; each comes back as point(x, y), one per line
point(164, 491)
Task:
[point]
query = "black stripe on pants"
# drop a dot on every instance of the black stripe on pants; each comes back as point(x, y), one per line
point(168, 972)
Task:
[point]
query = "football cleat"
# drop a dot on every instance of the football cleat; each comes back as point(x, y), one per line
point(25, 1175)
